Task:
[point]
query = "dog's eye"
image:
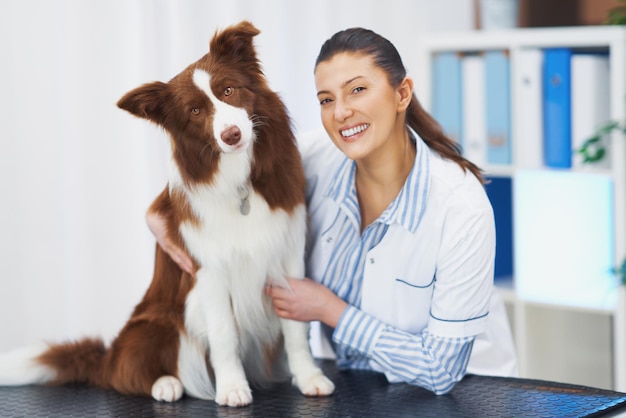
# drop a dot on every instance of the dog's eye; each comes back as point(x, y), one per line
point(228, 91)
point(195, 111)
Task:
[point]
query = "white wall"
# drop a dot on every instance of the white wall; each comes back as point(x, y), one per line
point(77, 174)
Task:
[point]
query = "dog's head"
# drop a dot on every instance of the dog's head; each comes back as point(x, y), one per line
point(223, 104)
point(210, 107)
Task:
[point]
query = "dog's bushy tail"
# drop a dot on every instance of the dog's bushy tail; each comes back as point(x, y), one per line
point(73, 362)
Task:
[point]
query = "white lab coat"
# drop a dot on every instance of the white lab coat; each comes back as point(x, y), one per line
point(439, 278)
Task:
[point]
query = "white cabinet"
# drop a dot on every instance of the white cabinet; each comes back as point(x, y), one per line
point(567, 342)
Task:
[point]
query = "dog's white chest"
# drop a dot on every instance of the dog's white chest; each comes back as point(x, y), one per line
point(241, 224)
point(241, 252)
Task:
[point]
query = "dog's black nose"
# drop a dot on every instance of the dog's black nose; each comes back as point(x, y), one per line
point(231, 135)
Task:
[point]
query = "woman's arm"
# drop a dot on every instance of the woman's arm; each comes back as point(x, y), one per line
point(424, 360)
point(157, 220)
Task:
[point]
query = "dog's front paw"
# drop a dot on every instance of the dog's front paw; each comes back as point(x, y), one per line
point(167, 388)
point(235, 394)
point(315, 385)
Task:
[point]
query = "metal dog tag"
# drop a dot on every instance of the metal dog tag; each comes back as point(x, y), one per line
point(244, 206)
point(244, 201)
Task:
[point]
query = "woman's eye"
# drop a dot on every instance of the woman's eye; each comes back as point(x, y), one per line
point(228, 91)
point(195, 111)
point(324, 101)
point(358, 89)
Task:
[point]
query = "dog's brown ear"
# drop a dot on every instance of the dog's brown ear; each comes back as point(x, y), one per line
point(235, 41)
point(146, 101)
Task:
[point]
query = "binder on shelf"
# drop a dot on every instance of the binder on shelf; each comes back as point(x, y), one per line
point(590, 102)
point(500, 193)
point(447, 101)
point(474, 118)
point(498, 106)
point(557, 122)
point(529, 117)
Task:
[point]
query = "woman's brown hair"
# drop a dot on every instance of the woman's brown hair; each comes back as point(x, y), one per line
point(386, 57)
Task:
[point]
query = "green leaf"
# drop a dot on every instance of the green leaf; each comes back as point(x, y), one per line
point(592, 150)
point(608, 127)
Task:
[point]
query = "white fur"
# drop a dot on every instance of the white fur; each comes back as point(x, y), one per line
point(306, 375)
point(238, 254)
point(167, 389)
point(19, 367)
point(192, 369)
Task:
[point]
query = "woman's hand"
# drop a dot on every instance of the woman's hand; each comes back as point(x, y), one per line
point(158, 227)
point(306, 300)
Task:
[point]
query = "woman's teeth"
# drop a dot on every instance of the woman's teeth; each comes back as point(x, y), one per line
point(355, 130)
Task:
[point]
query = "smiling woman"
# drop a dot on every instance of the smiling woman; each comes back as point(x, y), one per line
point(394, 181)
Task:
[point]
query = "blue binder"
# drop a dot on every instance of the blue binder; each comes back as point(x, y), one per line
point(447, 103)
point(557, 122)
point(498, 107)
point(500, 193)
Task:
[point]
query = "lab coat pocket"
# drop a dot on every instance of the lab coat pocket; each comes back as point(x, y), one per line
point(412, 303)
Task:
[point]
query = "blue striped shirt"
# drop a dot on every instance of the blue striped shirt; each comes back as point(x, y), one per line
point(362, 341)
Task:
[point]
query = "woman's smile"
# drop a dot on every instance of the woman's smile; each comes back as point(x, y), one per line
point(350, 132)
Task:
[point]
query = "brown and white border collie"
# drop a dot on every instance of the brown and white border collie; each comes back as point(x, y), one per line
point(235, 201)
